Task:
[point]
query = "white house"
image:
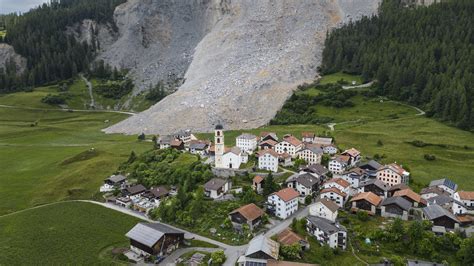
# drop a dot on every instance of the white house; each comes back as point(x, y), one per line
point(324, 208)
point(217, 187)
point(185, 136)
point(446, 185)
point(307, 137)
point(268, 160)
point(164, 141)
point(198, 147)
point(455, 206)
point(311, 154)
point(290, 145)
point(354, 156)
point(466, 197)
point(354, 176)
point(327, 232)
point(329, 149)
point(338, 183)
point(431, 192)
point(338, 164)
point(305, 183)
point(284, 202)
point(334, 194)
point(322, 141)
point(247, 142)
point(393, 174)
point(113, 182)
point(233, 158)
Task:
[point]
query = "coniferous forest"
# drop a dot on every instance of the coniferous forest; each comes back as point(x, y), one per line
point(40, 36)
point(421, 55)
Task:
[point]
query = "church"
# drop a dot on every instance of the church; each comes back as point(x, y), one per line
point(229, 158)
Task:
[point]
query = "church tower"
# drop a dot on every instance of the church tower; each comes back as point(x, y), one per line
point(219, 146)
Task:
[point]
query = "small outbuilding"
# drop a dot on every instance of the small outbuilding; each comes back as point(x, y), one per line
point(154, 239)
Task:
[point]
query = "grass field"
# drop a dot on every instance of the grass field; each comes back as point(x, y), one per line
point(40, 164)
point(69, 233)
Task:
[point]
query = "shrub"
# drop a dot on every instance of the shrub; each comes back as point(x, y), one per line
point(429, 157)
point(218, 257)
point(54, 99)
point(362, 216)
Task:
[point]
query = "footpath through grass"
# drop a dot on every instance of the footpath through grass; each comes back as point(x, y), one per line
point(66, 233)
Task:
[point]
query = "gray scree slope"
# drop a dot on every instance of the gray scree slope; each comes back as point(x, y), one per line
point(242, 59)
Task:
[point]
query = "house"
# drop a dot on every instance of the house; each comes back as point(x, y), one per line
point(466, 197)
point(445, 184)
point(311, 154)
point(371, 168)
point(354, 176)
point(375, 186)
point(395, 188)
point(395, 207)
point(177, 144)
point(307, 137)
point(234, 157)
point(247, 142)
point(330, 149)
point(317, 170)
point(134, 192)
point(338, 183)
point(260, 249)
point(285, 159)
point(267, 144)
point(113, 182)
point(217, 187)
point(327, 232)
point(257, 184)
point(198, 147)
point(248, 214)
point(305, 183)
point(164, 141)
point(451, 204)
point(431, 192)
point(441, 217)
point(411, 196)
point(184, 135)
point(338, 164)
point(288, 238)
point(123, 201)
point(154, 239)
point(268, 160)
point(354, 156)
point(334, 194)
point(322, 141)
point(290, 145)
point(324, 208)
point(157, 194)
point(264, 136)
point(393, 174)
point(283, 203)
point(367, 201)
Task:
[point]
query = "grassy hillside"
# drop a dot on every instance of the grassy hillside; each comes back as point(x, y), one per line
point(65, 233)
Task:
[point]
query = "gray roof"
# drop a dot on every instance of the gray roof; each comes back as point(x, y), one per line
point(317, 169)
point(116, 178)
point(247, 136)
point(400, 201)
point(215, 184)
point(435, 211)
point(376, 182)
point(372, 164)
point(136, 189)
point(166, 139)
point(264, 244)
point(331, 205)
point(149, 233)
point(198, 146)
point(314, 149)
point(447, 182)
point(325, 225)
point(307, 180)
point(442, 200)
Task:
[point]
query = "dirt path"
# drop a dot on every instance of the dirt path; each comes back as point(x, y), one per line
point(66, 110)
point(89, 87)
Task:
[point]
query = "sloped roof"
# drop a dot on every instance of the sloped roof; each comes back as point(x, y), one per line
point(334, 190)
point(324, 141)
point(258, 179)
point(410, 194)
point(270, 134)
point(136, 189)
point(235, 150)
point(356, 170)
point(149, 233)
point(398, 187)
point(466, 195)
point(270, 142)
point(116, 178)
point(288, 237)
point(369, 197)
point(313, 149)
point(445, 181)
point(308, 134)
point(264, 244)
point(307, 180)
point(325, 225)
point(267, 151)
point(292, 140)
point(435, 211)
point(399, 201)
point(344, 159)
point(372, 164)
point(159, 191)
point(246, 136)
point(331, 205)
point(343, 183)
point(434, 190)
point(215, 184)
point(287, 194)
point(317, 169)
point(249, 211)
point(351, 152)
point(176, 142)
point(395, 168)
point(380, 184)
point(198, 144)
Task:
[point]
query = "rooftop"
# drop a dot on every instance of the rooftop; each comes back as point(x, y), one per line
point(466, 195)
point(351, 152)
point(116, 178)
point(287, 194)
point(446, 182)
point(399, 201)
point(149, 233)
point(215, 184)
point(317, 169)
point(331, 205)
point(334, 190)
point(369, 197)
point(435, 211)
point(410, 194)
point(375, 182)
point(258, 179)
point(307, 180)
point(136, 189)
point(288, 237)
point(247, 136)
point(249, 211)
point(264, 244)
point(327, 226)
point(343, 183)
point(292, 140)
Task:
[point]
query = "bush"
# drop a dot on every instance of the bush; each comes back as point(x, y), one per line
point(218, 257)
point(362, 216)
point(429, 157)
point(54, 99)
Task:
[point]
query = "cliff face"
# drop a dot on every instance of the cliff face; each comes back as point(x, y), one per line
point(7, 55)
point(240, 59)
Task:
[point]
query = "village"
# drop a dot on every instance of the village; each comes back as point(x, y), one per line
point(315, 182)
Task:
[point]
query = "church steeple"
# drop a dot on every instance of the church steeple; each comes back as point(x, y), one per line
point(219, 145)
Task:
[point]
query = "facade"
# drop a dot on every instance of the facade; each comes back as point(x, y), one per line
point(324, 208)
point(411, 196)
point(305, 183)
point(185, 136)
point(219, 147)
point(334, 194)
point(113, 182)
point(307, 137)
point(393, 174)
point(157, 194)
point(354, 156)
point(164, 141)
point(198, 147)
point(467, 198)
point(354, 176)
point(366, 201)
point(284, 202)
point(154, 239)
point(312, 155)
point(395, 207)
point(431, 192)
point(446, 185)
point(247, 142)
point(268, 160)
point(290, 145)
point(329, 149)
point(338, 164)
point(327, 232)
point(338, 183)
point(233, 158)
point(217, 187)
point(267, 144)
point(248, 214)
point(451, 204)
point(257, 184)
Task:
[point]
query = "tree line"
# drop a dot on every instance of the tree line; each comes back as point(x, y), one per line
point(40, 36)
point(422, 55)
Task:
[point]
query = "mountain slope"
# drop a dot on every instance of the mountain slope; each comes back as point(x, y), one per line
point(244, 57)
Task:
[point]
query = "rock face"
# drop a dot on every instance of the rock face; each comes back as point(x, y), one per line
point(7, 53)
point(241, 59)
